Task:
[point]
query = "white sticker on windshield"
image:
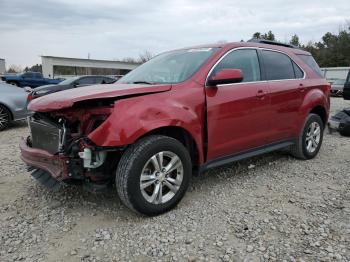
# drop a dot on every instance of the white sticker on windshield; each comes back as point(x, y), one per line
point(200, 50)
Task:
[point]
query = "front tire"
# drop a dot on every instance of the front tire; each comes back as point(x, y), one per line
point(13, 83)
point(310, 139)
point(153, 175)
point(5, 117)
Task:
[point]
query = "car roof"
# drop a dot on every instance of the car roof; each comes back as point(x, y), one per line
point(254, 44)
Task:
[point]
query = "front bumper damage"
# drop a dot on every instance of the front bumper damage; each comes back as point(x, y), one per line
point(48, 169)
point(59, 154)
point(56, 165)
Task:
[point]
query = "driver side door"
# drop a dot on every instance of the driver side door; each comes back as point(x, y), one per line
point(238, 117)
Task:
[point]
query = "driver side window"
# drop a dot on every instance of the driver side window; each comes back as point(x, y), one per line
point(244, 59)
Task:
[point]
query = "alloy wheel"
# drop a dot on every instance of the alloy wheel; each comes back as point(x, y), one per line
point(4, 117)
point(313, 137)
point(161, 177)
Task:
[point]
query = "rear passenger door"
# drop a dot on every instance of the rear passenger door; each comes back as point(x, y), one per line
point(285, 80)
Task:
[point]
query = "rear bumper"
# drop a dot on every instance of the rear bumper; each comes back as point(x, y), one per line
point(56, 165)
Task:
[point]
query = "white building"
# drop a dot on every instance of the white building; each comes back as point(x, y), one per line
point(334, 73)
point(2, 66)
point(53, 66)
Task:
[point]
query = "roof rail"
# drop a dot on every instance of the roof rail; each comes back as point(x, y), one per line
point(269, 42)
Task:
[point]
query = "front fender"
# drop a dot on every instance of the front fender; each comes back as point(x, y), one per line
point(136, 116)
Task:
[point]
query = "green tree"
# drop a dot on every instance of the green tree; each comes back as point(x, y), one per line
point(333, 50)
point(267, 36)
point(34, 68)
point(257, 35)
point(295, 40)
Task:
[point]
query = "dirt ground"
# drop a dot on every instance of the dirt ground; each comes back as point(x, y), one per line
point(269, 208)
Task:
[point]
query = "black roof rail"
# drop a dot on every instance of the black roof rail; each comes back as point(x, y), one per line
point(269, 42)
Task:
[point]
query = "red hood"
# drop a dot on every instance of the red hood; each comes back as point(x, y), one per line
point(66, 99)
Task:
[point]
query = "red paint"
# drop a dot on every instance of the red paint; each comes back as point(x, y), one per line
point(54, 164)
point(66, 99)
point(239, 116)
point(226, 76)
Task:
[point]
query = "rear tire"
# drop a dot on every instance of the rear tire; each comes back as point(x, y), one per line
point(153, 175)
point(310, 139)
point(5, 117)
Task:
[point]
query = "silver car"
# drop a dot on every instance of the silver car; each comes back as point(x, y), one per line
point(13, 104)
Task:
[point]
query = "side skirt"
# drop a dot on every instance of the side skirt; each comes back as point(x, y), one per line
point(245, 154)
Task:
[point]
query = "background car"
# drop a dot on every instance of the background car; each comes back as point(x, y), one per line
point(13, 104)
point(338, 87)
point(70, 83)
point(31, 79)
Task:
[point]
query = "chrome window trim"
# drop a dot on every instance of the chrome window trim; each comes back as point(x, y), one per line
point(278, 51)
point(251, 82)
point(221, 58)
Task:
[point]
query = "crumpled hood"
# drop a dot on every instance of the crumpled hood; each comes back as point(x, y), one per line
point(67, 98)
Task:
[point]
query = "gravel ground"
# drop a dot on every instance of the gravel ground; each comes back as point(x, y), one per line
point(269, 208)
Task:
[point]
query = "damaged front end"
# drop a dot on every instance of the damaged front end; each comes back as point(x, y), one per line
point(59, 151)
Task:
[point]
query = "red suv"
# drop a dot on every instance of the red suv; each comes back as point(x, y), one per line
point(182, 112)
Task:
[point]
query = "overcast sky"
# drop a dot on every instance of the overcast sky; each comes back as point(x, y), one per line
point(114, 29)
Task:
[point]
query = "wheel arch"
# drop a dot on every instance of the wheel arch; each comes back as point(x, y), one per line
point(321, 112)
point(183, 136)
point(315, 102)
point(13, 81)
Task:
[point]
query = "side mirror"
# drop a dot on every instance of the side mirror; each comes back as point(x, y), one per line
point(226, 76)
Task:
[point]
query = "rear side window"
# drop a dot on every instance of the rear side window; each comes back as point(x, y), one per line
point(310, 61)
point(298, 72)
point(244, 59)
point(277, 65)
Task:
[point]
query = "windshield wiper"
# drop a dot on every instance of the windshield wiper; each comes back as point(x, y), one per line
point(142, 82)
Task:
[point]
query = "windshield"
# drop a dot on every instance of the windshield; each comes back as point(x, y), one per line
point(169, 68)
point(68, 81)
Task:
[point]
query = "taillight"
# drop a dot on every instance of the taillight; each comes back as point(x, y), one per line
point(29, 97)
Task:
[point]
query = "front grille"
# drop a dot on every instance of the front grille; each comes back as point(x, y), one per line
point(45, 135)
